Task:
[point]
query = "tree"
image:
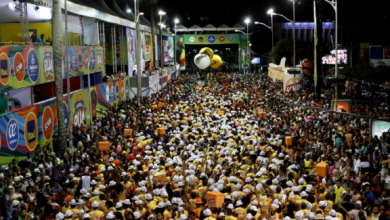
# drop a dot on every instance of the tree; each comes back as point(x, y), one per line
point(285, 48)
point(367, 72)
point(57, 58)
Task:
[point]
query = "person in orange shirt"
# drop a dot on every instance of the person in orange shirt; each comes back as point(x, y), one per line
point(199, 208)
point(168, 210)
point(65, 195)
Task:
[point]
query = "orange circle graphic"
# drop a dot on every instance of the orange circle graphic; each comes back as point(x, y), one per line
point(5, 68)
point(47, 123)
point(31, 131)
point(19, 67)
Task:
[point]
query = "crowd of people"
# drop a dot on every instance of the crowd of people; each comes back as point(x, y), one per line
point(189, 143)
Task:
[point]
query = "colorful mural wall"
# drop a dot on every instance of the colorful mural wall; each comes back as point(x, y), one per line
point(22, 131)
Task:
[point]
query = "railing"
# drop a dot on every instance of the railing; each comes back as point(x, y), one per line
point(154, 79)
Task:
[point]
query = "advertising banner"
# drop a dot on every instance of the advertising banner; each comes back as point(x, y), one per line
point(48, 3)
point(110, 93)
point(131, 49)
point(180, 51)
point(25, 66)
point(245, 55)
point(343, 105)
point(120, 50)
point(378, 127)
point(82, 58)
point(211, 39)
point(291, 83)
point(22, 131)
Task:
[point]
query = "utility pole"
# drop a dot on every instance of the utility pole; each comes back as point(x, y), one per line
point(138, 53)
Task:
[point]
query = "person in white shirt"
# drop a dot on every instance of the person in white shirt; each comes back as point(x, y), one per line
point(356, 163)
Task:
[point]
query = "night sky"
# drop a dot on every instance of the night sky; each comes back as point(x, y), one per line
point(231, 12)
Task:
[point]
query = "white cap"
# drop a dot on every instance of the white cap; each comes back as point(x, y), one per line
point(86, 215)
point(333, 213)
point(207, 212)
point(299, 215)
point(110, 215)
point(68, 213)
point(127, 202)
point(95, 204)
point(137, 215)
point(118, 205)
point(60, 215)
point(249, 216)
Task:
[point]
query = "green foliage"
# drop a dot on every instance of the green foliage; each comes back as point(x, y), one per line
point(285, 48)
point(367, 72)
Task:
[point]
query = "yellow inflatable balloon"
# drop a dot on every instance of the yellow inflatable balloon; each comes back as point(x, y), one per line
point(216, 62)
point(207, 51)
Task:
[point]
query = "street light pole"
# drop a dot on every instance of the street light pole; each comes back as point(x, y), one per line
point(174, 45)
point(247, 40)
point(333, 3)
point(294, 31)
point(161, 13)
point(271, 12)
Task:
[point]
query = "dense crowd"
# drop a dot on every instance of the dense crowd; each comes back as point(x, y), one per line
point(237, 139)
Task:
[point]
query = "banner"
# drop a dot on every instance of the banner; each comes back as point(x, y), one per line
point(108, 94)
point(131, 49)
point(25, 66)
point(378, 127)
point(291, 83)
point(344, 105)
point(277, 71)
point(180, 51)
point(120, 50)
point(82, 58)
point(48, 3)
point(211, 39)
point(22, 131)
point(245, 56)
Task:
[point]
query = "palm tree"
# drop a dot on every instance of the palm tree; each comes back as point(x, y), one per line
point(57, 57)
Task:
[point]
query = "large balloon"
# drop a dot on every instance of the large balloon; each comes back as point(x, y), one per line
point(202, 61)
point(207, 51)
point(216, 62)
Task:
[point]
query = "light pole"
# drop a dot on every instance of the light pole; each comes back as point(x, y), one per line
point(333, 3)
point(294, 30)
point(269, 27)
point(137, 13)
point(247, 39)
point(271, 12)
point(174, 45)
point(161, 13)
